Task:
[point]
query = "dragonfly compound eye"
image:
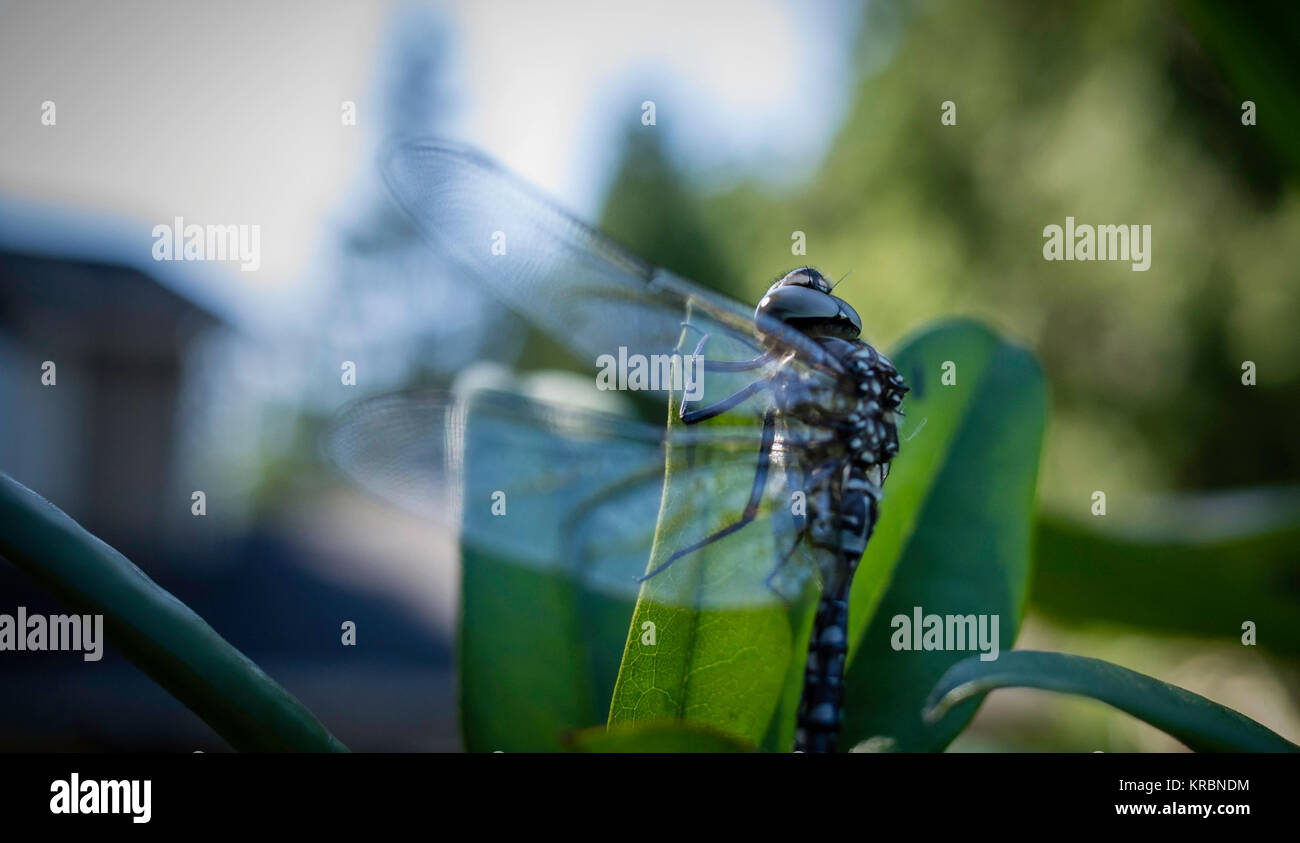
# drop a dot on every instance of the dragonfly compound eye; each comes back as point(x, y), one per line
point(809, 310)
point(804, 276)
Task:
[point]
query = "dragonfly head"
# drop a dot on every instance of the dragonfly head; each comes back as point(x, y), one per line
point(803, 300)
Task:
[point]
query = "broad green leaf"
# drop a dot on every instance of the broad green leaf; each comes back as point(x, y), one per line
point(955, 528)
point(742, 671)
point(543, 627)
point(656, 736)
point(935, 412)
point(529, 652)
point(538, 646)
point(1203, 725)
point(691, 653)
point(1193, 564)
point(694, 652)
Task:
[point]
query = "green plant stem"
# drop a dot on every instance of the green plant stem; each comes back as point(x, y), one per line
point(1202, 724)
point(157, 632)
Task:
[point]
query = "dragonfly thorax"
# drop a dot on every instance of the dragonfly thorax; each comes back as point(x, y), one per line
point(849, 429)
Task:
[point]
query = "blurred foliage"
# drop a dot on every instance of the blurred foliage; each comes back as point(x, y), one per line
point(1113, 113)
point(652, 208)
point(1254, 44)
point(1107, 112)
point(1194, 565)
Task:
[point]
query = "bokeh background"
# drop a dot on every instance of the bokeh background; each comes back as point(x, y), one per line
point(771, 118)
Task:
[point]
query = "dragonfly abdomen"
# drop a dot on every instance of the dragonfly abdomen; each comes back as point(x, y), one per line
point(843, 492)
point(821, 707)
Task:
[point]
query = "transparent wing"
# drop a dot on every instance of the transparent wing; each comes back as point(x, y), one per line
point(577, 492)
point(559, 488)
point(566, 277)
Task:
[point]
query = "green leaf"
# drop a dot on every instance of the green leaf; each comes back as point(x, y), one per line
point(527, 645)
point(955, 527)
point(966, 474)
point(690, 655)
point(1154, 564)
point(693, 652)
point(538, 644)
point(656, 736)
point(159, 633)
point(1201, 724)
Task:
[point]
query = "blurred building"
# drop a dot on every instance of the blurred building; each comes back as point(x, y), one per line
point(96, 431)
point(161, 387)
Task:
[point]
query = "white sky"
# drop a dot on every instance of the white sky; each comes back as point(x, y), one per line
point(228, 112)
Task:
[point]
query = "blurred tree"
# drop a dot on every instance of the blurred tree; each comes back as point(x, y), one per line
point(1112, 113)
point(651, 205)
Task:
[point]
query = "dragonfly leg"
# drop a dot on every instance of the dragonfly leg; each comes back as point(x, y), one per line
point(782, 562)
point(572, 526)
point(722, 406)
point(751, 507)
point(736, 365)
point(800, 528)
point(726, 365)
point(736, 336)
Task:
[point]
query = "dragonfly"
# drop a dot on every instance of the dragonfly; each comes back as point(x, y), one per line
point(775, 466)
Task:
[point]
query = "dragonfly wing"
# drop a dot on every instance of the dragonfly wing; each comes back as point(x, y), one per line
point(398, 448)
point(565, 276)
point(411, 448)
point(569, 490)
